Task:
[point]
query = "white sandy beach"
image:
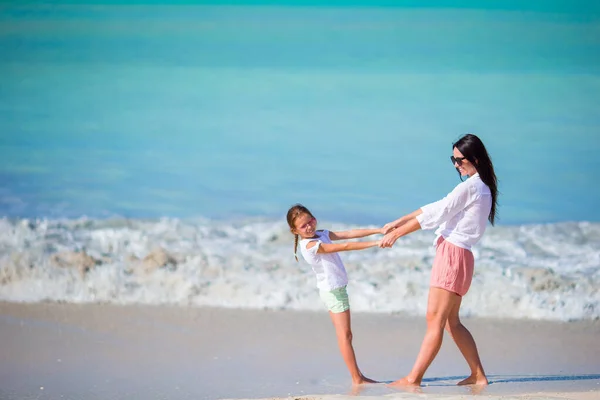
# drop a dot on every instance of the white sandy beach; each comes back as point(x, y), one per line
point(66, 351)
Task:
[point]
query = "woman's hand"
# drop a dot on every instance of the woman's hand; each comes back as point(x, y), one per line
point(389, 239)
point(387, 228)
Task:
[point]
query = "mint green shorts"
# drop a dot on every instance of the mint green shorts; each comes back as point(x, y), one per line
point(336, 300)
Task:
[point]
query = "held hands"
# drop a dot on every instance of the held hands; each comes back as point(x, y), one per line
point(388, 240)
point(400, 227)
point(390, 234)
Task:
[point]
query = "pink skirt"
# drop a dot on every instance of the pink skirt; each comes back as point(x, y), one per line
point(452, 268)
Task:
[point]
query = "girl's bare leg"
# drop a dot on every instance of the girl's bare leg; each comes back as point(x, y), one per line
point(341, 322)
point(466, 344)
point(439, 305)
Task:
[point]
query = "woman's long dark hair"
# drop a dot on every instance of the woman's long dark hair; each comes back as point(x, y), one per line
point(472, 149)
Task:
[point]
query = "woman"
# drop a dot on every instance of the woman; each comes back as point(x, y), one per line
point(462, 218)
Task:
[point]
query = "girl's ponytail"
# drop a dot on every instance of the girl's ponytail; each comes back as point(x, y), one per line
point(295, 247)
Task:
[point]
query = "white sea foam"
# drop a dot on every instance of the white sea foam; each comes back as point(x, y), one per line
point(549, 271)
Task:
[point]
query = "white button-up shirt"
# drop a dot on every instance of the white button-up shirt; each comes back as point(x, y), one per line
point(461, 215)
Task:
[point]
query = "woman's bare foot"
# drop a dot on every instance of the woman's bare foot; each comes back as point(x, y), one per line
point(363, 380)
point(474, 380)
point(405, 382)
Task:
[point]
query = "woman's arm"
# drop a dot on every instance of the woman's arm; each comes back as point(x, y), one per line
point(355, 233)
point(409, 225)
point(432, 215)
point(348, 246)
point(435, 214)
point(400, 221)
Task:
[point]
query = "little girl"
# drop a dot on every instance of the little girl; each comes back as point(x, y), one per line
point(318, 250)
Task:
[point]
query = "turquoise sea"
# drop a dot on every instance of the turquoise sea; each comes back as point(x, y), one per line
point(221, 111)
point(128, 126)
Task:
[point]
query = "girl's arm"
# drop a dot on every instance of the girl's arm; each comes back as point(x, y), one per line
point(354, 233)
point(348, 246)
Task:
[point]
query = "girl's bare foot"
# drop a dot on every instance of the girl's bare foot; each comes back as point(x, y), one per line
point(405, 382)
point(474, 380)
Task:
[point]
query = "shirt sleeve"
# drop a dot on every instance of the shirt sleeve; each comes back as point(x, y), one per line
point(435, 214)
point(313, 250)
point(311, 254)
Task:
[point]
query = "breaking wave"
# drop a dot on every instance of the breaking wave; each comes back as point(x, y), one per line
point(549, 271)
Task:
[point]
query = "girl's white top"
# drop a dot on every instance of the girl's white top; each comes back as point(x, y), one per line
point(461, 215)
point(328, 267)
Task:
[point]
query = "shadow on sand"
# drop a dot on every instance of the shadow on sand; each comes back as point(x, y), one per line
point(494, 379)
point(439, 383)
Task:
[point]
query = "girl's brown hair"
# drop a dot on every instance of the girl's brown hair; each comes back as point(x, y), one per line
point(292, 215)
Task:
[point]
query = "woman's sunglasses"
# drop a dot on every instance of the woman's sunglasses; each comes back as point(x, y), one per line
point(457, 160)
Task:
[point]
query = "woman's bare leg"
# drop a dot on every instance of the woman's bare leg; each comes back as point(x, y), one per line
point(439, 305)
point(341, 322)
point(466, 344)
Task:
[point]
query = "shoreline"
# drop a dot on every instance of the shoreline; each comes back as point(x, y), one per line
point(91, 350)
point(591, 395)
